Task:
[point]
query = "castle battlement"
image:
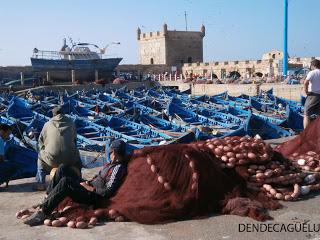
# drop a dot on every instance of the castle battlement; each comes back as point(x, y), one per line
point(150, 35)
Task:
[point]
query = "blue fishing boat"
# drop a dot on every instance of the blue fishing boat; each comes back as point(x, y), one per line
point(255, 125)
point(294, 120)
point(21, 162)
point(266, 130)
point(212, 127)
point(134, 132)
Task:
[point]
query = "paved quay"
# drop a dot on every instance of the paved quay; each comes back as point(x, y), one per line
point(19, 195)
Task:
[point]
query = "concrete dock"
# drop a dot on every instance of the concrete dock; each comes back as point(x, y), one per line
point(19, 195)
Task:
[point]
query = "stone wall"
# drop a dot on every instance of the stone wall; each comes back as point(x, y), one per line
point(234, 90)
point(180, 85)
point(270, 66)
point(292, 92)
point(143, 69)
point(152, 50)
point(222, 69)
point(213, 89)
point(183, 47)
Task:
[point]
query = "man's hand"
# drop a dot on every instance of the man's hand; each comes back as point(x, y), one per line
point(87, 186)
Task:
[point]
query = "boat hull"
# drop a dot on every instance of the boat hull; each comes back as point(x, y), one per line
point(61, 70)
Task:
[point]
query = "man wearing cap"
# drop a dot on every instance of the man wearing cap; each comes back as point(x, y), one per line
point(57, 145)
point(67, 184)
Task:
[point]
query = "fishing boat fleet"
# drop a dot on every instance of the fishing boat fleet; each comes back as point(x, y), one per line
point(145, 117)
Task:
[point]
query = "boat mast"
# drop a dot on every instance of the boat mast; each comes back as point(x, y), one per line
point(185, 19)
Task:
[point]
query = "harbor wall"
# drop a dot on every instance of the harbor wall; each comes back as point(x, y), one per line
point(292, 92)
point(234, 90)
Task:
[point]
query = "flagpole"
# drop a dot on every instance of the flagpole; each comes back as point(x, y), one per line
point(285, 39)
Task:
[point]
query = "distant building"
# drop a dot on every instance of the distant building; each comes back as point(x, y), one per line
point(171, 48)
point(269, 66)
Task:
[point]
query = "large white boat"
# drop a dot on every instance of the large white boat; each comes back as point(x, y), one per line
point(85, 62)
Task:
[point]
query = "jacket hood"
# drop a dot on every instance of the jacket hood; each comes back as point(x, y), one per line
point(61, 122)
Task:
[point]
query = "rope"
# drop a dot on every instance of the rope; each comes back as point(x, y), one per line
point(93, 161)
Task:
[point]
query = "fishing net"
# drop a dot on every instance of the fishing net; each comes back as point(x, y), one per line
point(308, 140)
point(176, 182)
point(235, 175)
point(304, 150)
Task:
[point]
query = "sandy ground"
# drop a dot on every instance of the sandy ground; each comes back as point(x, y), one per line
point(19, 195)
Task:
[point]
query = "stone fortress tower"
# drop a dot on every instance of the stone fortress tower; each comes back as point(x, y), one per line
point(171, 48)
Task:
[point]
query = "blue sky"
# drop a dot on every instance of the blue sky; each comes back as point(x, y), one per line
point(235, 29)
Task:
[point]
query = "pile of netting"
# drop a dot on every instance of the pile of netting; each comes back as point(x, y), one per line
point(304, 150)
point(235, 175)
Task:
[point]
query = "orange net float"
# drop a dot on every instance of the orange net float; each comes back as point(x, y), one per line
point(93, 221)
point(47, 222)
point(71, 224)
point(81, 225)
point(167, 186)
point(56, 223)
point(149, 160)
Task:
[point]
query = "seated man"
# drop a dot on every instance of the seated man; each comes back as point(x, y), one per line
point(7, 168)
point(57, 145)
point(66, 183)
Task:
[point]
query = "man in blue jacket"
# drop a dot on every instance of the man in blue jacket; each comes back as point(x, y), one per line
point(66, 183)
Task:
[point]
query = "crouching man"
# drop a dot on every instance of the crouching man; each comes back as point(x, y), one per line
point(66, 183)
point(57, 145)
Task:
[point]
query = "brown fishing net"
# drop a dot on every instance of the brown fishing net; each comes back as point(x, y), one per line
point(308, 140)
point(176, 182)
point(235, 175)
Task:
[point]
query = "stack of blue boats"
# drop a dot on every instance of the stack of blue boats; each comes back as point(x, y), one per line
point(145, 117)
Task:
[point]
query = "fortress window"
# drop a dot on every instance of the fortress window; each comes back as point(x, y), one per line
point(151, 61)
point(189, 59)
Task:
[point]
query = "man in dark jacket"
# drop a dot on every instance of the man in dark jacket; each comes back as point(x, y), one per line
point(66, 183)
